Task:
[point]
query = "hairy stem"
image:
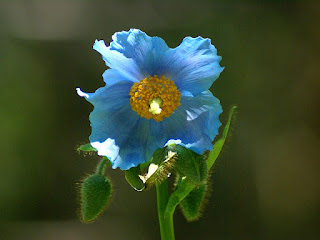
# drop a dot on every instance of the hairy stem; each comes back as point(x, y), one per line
point(101, 168)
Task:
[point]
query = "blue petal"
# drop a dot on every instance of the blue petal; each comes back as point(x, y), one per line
point(193, 65)
point(147, 52)
point(109, 97)
point(113, 76)
point(138, 147)
point(134, 54)
point(195, 122)
point(127, 147)
point(118, 132)
point(116, 60)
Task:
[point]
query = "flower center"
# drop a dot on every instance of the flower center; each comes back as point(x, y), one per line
point(154, 97)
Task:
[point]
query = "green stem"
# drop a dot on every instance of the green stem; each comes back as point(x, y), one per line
point(101, 168)
point(166, 222)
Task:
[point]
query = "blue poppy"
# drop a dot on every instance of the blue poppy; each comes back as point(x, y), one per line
point(153, 94)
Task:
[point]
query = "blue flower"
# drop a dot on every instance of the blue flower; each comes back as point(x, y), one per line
point(153, 94)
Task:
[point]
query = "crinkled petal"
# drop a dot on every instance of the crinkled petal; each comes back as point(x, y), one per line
point(118, 61)
point(113, 76)
point(147, 52)
point(194, 65)
point(127, 148)
point(138, 148)
point(119, 93)
point(195, 122)
point(118, 132)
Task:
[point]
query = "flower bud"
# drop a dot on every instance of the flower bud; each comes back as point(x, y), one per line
point(95, 195)
point(192, 205)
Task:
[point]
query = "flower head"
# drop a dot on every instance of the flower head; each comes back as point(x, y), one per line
point(153, 94)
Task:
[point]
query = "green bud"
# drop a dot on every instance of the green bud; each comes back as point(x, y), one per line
point(190, 164)
point(132, 177)
point(95, 194)
point(192, 204)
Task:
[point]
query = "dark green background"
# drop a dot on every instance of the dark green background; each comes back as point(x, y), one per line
point(265, 184)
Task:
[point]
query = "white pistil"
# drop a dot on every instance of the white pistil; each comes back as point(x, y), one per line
point(155, 106)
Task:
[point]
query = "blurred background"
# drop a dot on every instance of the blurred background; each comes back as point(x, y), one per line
point(266, 183)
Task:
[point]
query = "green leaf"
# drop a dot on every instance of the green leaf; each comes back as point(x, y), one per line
point(219, 144)
point(144, 165)
point(192, 204)
point(183, 188)
point(95, 195)
point(159, 156)
point(132, 177)
point(87, 148)
point(190, 164)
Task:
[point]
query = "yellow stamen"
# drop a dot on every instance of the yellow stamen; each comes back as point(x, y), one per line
point(154, 97)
